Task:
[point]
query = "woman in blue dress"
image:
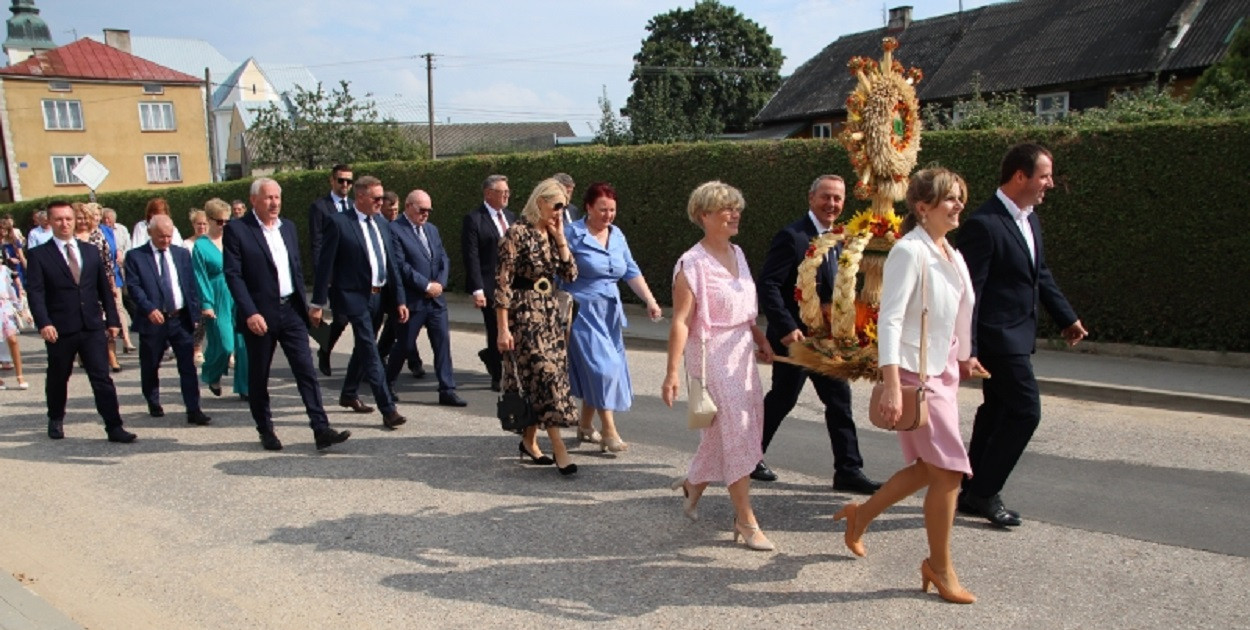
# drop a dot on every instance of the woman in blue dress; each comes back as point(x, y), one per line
point(220, 339)
point(598, 371)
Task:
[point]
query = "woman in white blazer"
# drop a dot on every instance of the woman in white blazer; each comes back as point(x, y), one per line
point(935, 453)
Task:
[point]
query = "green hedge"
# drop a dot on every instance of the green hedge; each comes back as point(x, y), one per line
point(1141, 230)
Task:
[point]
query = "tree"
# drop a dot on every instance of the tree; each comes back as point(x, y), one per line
point(701, 71)
point(612, 130)
point(1226, 83)
point(316, 129)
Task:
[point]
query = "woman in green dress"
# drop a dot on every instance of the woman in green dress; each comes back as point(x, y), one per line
point(220, 338)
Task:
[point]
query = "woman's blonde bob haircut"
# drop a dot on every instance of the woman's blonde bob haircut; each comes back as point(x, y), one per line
point(712, 197)
point(929, 186)
point(549, 190)
point(216, 209)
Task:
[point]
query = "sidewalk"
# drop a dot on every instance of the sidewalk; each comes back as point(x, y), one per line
point(1220, 388)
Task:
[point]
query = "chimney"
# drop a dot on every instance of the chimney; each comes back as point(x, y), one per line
point(900, 19)
point(117, 38)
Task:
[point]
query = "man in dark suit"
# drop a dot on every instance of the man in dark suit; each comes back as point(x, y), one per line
point(479, 245)
point(320, 214)
point(262, 268)
point(356, 274)
point(571, 212)
point(825, 199)
point(390, 327)
point(1002, 245)
point(160, 281)
point(71, 300)
point(423, 268)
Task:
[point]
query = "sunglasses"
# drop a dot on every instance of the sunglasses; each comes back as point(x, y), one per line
point(345, 180)
point(558, 206)
point(219, 222)
point(378, 199)
point(425, 210)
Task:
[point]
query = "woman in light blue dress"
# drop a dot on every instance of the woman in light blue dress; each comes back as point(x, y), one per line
point(598, 371)
point(220, 339)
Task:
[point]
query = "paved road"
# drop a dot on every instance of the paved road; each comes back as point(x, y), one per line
point(1135, 518)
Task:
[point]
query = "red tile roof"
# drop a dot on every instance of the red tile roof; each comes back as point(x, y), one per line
point(89, 59)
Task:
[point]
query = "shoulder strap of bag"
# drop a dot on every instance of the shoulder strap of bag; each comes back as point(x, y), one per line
point(516, 372)
point(924, 321)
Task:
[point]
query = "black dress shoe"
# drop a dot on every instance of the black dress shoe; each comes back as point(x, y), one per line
point(198, 418)
point(329, 437)
point(155, 410)
point(244, 397)
point(418, 372)
point(355, 405)
point(120, 435)
point(991, 509)
point(323, 362)
point(393, 419)
point(450, 399)
point(763, 473)
point(854, 482)
point(494, 385)
point(216, 389)
point(55, 430)
point(270, 442)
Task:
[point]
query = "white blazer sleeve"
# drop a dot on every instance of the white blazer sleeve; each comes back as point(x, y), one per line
point(899, 282)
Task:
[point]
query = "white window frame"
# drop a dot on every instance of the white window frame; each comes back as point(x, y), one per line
point(60, 86)
point(153, 88)
point(1057, 106)
point(157, 116)
point(822, 130)
point(163, 168)
point(64, 176)
point(63, 112)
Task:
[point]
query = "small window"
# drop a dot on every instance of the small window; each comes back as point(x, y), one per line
point(156, 117)
point(1052, 107)
point(163, 168)
point(62, 169)
point(822, 130)
point(59, 115)
point(153, 88)
point(959, 112)
point(60, 86)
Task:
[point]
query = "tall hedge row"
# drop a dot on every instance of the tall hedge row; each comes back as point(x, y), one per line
point(1144, 231)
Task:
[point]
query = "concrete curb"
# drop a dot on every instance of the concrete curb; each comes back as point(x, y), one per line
point(22, 609)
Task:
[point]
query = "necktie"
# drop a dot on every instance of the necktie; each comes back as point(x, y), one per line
point(377, 251)
point(167, 285)
point(503, 225)
point(72, 258)
point(344, 204)
point(424, 241)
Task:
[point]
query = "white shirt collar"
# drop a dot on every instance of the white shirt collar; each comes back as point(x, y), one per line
point(276, 224)
point(492, 209)
point(1017, 213)
point(820, 229)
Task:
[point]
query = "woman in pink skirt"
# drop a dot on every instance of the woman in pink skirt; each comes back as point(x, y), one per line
point(936, 455)
point(714, 311)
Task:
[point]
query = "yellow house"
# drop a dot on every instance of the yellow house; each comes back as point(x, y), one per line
point(144, 122)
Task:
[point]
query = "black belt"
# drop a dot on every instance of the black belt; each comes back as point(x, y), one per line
point(171, 314)
point(375, 290)
point(286, 299)
point(542, 285)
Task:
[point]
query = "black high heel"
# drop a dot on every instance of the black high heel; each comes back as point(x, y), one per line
point(539, 461)
point(567, 470)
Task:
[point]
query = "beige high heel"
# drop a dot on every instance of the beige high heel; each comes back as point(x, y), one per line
point(613, 445)
point(688, 506)
point(850, 512)
point(751, 536)
point(928, 575)
point(592, 436)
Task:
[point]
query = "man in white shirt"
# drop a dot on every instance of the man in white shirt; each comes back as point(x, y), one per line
point(479, 245)
point(41, 233)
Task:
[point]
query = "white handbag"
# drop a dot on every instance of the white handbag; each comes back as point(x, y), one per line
point(702, 408)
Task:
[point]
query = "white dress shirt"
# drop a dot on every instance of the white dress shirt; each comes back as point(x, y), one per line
point(281, 258)
point(1021, 217)
point(377, 260)
point(73, 242)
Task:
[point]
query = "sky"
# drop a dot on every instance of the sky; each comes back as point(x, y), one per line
point(539, 60)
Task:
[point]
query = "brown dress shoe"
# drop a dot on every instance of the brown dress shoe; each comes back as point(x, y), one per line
point(355, 405)
point(393, 419)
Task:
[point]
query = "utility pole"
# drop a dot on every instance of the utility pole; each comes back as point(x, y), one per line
point(212, 126)
point(429, 97)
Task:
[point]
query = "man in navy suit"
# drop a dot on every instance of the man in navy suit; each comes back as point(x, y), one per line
point(390, 327)
point(262, 268)
point(423, 268)
point(320, 215)
point(825, 199)
point(356, 274)
point(71, 300)
point(479, 245)
point(160, 280)
point(1002, 244)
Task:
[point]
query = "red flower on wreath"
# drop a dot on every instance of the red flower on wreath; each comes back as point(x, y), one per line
point(798, 294)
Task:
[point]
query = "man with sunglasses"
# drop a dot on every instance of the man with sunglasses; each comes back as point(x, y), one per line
point(338, 201)
point(479, 244)
point(357, 275)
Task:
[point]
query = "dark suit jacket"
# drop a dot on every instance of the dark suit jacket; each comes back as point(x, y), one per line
point(252, 273)
point(1007, 285)
point(319, 215)
point(416, 267)
point(143, 286)
point(343, 272)
point(479, 244)
point(779, 274)
point(55, 299)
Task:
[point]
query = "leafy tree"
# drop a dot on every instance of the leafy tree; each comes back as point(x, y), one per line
point(1227, 82)
point(612, 130)
point(708, 65)
point(314, 129)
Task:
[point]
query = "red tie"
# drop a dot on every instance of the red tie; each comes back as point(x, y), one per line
point(503, 227)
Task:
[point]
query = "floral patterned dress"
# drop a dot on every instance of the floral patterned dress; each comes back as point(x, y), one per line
point(526, 255)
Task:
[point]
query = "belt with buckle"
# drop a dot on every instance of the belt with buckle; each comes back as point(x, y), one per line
point(171, 314)
point(286, 299)
point(541, 286)
point(375, 290)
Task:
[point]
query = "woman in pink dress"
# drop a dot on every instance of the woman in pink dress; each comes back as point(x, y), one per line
point(935, 453)
point(714, 311)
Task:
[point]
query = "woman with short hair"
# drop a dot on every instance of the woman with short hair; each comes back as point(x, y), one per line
point(216, 304)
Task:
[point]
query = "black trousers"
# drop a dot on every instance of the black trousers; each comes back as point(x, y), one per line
point(291, 333)
point(152, 347)
point(434, 320)
point(1005, 422)
point(366, 363)
point(491, 357)
point(92, 347)
point(788, 381)
point(386, 341)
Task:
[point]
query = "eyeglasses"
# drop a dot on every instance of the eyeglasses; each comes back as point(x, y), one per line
point(219, 222)
point(499, 191)
point(378, 199)
point(344, 180)
point(558, 206)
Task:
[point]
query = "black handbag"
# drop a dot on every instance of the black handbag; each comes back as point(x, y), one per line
point(514, 409)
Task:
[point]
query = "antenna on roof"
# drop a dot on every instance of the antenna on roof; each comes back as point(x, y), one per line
point(885, 15)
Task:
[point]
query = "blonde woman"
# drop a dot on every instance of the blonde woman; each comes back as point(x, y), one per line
point(199, 227)
point(714, 312)
point(216, 304)
point(532, 254)
point(87, 228)
point(935, 453)
point(120, 242)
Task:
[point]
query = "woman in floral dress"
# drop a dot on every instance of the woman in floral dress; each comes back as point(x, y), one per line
point(532, 254)
point(714, 312)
